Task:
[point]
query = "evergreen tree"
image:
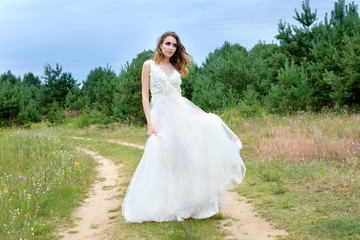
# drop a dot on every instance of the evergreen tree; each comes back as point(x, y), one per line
point(294, 40)
point(57, 86)
point(91, 84)
point(127, 104)
point(32, 83)
point(8, 76)
point(292, 92)
point(11, 101)
point(75, 100)
point(223, 77)
point(345, 85)
point(105, 91)
point(187, 85)
point(17, 107)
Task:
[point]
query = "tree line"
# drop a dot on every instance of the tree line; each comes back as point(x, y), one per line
point(315, 65)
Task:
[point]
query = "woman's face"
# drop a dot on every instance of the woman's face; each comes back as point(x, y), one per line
point(168, 47)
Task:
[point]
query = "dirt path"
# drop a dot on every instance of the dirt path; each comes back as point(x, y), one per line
point(240, 220)
point(93, 217)
point(244, 223)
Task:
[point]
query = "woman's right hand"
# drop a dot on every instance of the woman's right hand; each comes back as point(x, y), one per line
point(151, 130)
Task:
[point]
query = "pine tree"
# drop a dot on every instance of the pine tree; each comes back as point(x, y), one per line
point(127, 105)
point(57, 86)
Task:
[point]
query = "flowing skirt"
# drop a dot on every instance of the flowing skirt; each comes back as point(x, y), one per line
point(187, 168)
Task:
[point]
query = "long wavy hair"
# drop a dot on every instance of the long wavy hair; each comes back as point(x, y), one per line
point(179, 60)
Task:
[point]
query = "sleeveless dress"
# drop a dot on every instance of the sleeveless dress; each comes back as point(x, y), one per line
point(187, 168)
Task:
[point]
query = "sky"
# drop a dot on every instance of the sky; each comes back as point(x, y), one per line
point(83, 34)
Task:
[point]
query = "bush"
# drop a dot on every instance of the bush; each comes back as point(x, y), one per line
point(56, 114)
point(93, 117)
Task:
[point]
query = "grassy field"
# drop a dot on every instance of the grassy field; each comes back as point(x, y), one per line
point(41, 180)
point(303, 172)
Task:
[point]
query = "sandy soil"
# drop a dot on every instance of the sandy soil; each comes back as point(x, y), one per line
point(93, 216)
point(240, 218)
point(242, 221)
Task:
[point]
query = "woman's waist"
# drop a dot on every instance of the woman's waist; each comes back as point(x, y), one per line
point(159, 95)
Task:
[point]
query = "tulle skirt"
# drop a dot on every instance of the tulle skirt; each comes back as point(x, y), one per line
point(187, 168)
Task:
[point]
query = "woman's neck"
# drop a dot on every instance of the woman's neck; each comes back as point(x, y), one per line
point(165, 60)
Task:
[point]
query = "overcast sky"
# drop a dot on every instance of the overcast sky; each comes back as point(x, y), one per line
point(83, 34)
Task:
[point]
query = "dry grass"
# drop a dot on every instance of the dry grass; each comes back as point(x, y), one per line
point(298, 138)
point(303, 137)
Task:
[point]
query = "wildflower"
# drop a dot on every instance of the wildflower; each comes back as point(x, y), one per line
point(8, 175)
point(39, 184)
point(37, 192)
point(47, 189)
point(22, 177)
point(28, 196)
point(77, 166)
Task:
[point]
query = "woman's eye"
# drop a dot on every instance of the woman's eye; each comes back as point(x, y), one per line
point(174, 45)
point(167, 44)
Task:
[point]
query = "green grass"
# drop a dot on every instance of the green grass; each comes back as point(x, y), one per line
point(303, 199)
point(303, 172)
point(41, 180)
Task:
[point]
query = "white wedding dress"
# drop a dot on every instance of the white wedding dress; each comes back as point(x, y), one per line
point(188, 167)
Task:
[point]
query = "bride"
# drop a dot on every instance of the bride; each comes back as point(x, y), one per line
point(191, 157)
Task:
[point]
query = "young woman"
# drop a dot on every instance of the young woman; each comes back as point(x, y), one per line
point(191, 157)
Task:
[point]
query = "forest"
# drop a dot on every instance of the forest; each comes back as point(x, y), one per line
point(315, 66)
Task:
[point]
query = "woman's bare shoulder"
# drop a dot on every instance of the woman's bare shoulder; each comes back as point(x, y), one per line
point(147, 66)
point(147, 63)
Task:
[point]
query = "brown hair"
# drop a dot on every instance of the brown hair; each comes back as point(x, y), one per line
point(180, 59)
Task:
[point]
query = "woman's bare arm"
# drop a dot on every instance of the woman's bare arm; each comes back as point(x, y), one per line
point(145, 79)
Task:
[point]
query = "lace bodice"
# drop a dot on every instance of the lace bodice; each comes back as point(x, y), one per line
point(161, 83)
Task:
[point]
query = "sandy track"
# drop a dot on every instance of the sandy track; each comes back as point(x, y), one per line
point(93, 216)
point(243, 222)
point(240, 218)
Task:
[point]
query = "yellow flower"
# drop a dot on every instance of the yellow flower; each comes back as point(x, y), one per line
point(28, 196)
point(77, 166)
